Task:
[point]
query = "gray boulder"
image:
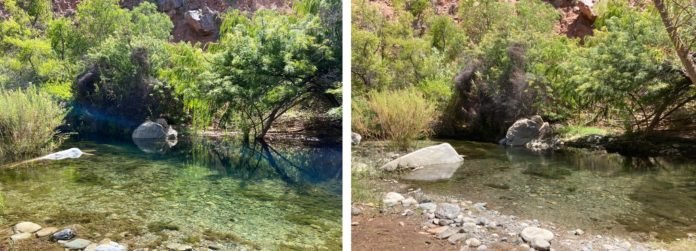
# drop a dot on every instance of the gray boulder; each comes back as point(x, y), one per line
point(202, 21)
point(433, 155)
point(524, 131)
point(152, 130)
point(530, 234)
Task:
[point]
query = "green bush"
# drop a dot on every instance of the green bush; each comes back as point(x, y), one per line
point(401, 116)
point(28, 123)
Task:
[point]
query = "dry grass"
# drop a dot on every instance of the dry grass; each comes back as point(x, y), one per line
point(28, 124)
point(401, 116)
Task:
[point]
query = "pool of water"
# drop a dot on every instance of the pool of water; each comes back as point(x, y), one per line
point(591, 190)
point(264, 196)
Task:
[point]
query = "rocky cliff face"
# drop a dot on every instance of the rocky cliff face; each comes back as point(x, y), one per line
point(194, 20)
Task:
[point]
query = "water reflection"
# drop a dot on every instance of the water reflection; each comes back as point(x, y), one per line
point(603, 192)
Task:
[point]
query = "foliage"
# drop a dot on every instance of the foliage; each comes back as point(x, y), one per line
point(265, 65)
point(570, 131)
point(401, 116)
point(28, 123)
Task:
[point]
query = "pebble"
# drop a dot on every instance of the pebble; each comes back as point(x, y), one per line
point(578, 232)
point(26, 227)
point(77, 244)
point(20, 236)
point(410, 201)
point(540, 244)
point(65, 234)
point(532, 233)
point(355, 211)
point(46, 231)
point(447, 211)
point(392, 198)
point(473, 242)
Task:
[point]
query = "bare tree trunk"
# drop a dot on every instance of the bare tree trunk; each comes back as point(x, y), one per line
point(682, 51)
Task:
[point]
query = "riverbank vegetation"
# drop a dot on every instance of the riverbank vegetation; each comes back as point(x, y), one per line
point(115, 67)
point(485, 64)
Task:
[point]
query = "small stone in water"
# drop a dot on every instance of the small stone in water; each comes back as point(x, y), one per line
point(65, 234)
point(77, 244)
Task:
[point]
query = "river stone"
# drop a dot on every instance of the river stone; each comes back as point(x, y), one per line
point(355, 138)
point(392, 198)
point(447, 211)
point(473, 242)
point(26, 227)
point(46, 231)
point(540, 244)
point(110, 246)
point(20, 236)
point(533, 233)
point(409, 202)
point(428, 206)
point(77, 244)
point(433, 155)
point(65, 234)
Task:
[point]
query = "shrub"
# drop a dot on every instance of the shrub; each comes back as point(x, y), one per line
point(401, 116)
point(28, 123)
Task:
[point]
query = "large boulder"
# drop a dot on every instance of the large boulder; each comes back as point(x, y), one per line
point(586, 10)
point(525, 130)
point(152, 130)
point(202, 21)
point(433, 155)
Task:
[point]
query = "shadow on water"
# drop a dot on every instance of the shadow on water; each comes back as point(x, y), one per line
point(594, 190)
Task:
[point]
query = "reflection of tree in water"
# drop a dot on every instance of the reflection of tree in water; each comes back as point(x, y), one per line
point(667, 197)
point(297, 165)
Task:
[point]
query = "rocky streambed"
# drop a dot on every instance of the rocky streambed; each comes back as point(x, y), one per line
point(473, 226)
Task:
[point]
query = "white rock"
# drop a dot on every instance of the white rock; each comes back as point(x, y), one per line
point(21, 236)
point(473, 242)
point(533, 233)
point(540, 244)
point(433, 155)
point(26, 227)
point(392, 198)
point(409, 202)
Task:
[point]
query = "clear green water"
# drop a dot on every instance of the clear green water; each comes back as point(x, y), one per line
point(591, 190)
point(282, 196)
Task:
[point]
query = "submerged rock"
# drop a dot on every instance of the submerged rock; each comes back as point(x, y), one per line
point(77, 244)
point(432, 155)
point(26, 227)
point(65, 234)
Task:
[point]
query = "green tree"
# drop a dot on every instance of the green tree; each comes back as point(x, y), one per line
point(266, 65)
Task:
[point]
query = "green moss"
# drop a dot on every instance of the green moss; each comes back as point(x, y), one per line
point(574, 132)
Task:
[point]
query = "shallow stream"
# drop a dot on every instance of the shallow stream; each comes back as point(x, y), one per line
point(278, 196)
point(576, 188)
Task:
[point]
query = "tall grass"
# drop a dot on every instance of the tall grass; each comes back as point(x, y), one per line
point(28, 121)
point(401, 116)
